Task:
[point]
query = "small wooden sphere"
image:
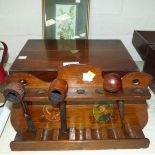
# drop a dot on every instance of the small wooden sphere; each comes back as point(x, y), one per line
point(112, 82)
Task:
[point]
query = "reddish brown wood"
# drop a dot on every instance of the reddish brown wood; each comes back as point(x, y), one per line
point(83, 130)
point(77, 138)
point(56, 94)
point(47, 55)
point(112, 82)
point(144, 42)
point(31, 81)
point(14, 92)
point(91, 94)
point(57, 91)
point(81, 116)
point(80, 145)
point(133, 85)
point(136, 80)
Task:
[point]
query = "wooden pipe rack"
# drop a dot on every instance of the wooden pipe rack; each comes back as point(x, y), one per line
point(123, 130)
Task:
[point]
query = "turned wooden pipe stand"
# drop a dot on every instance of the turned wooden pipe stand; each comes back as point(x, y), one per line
point(122, 131)
point(57, 93)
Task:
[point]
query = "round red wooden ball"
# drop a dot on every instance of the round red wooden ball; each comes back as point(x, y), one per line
point(112, 82)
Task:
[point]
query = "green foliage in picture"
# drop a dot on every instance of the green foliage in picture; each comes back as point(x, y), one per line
point(66, 21)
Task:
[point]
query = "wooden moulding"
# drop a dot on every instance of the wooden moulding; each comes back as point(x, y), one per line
point(80, 139)
point(79, 145)
point(134, 85)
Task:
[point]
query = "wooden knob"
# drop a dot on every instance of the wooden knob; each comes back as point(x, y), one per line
point(14, 92)
point(112, 82)
point(57, 91)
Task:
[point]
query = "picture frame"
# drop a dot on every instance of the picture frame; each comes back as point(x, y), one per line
point(63, 19)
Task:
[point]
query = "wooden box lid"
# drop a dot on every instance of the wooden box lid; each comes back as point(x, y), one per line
point(40, 56)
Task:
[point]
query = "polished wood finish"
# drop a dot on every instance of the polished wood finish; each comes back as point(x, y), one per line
point(73, 75)
point(56, 94)
point(112, 82)
point(82, 130)
point(58, 88)
point(45, 56)
point(141, 40)
point(82, 116)
point(149, 65)
point(97, 141)
point(144, 42)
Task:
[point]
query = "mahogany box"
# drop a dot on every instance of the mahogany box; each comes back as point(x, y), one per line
point(56, 108)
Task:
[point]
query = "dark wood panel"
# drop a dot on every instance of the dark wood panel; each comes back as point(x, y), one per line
point(81, 116)
point(80, 145)
point(90, 94)
point(144, 42)
point(141, 40)
point(48, 55)
point(149, 65)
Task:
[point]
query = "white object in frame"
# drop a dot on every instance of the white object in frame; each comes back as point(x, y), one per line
point(50, 22)
point(88, 76)
point(69, 63)
point(22, 57)
point(77, 1)
point(63, 17)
